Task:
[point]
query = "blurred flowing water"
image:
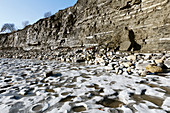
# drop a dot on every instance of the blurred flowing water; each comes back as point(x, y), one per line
point(35, 86)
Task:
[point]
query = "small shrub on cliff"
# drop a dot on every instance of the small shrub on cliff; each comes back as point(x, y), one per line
point(47, 14)
point(8, 28)
point(25, 23)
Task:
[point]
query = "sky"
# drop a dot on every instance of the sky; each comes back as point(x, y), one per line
point(17, 11)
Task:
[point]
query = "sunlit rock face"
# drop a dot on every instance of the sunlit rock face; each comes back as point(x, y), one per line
point(119, 24)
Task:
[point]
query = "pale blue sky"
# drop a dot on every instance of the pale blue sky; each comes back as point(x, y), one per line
point(17, 11)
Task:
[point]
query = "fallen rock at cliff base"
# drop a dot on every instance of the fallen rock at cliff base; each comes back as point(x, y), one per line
point(141, 66)
point(153, 69)
point(124, 46)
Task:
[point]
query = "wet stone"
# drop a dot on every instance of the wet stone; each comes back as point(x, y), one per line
point(37, 108)
point(6, 86)
point(80, 60)
point(50, 90)
point(143, 92)
point(65, 93)
point(16, 97)
point(113, 103)
point(78, 108)
point(156, 100)
point(23, 75)
point(68, 98)
point(53, 74)
point(2, 91)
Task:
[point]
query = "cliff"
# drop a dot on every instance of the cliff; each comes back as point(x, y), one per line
point(119, 24)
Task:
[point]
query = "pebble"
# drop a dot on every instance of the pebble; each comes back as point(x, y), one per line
point(80, 60)
point(131, 57)
point(167, 63)
point(23, 92)
point(157, 61)
point(53, 74)
point(129, 70)
point(148, 57)
point(127, 64)
point(143, 73)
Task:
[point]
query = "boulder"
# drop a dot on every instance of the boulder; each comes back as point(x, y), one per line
point(141, 66)
point(124, 45)
point(153, 68)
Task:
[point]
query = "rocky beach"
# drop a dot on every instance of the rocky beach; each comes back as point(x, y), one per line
point(98, 56)
point(92, 82)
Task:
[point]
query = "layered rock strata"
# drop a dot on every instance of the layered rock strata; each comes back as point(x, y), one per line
point(118, 24)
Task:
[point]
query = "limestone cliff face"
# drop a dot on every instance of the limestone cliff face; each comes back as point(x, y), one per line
point(119, 24)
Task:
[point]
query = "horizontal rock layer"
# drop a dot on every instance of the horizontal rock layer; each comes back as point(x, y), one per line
point(119, 24)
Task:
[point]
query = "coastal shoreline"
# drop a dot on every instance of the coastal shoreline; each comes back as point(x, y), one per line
point(100, 81)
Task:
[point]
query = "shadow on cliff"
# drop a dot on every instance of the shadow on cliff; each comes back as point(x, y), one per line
point(134, 45)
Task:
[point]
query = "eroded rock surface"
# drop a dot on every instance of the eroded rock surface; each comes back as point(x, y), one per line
point(120, 24)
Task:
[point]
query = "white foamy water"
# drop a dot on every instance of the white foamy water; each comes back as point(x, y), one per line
point(26, 88)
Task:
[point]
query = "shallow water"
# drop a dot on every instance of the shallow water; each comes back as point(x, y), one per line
point(25, 88)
